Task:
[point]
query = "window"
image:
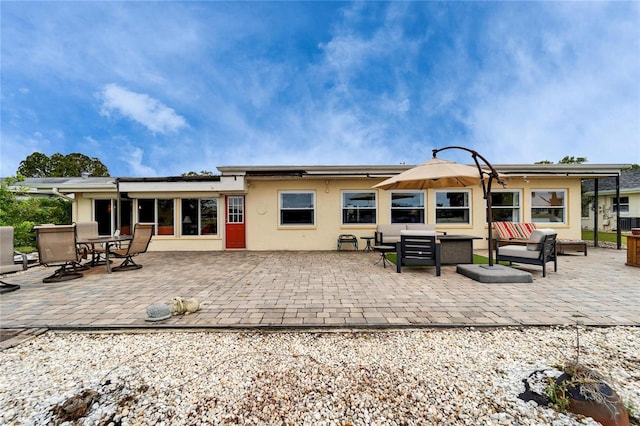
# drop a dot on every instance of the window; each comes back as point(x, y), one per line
point(235, 209)
point(453, 207)
point(548, 206)
point(505, 206)
point(297, 208)
point(624, 204)
point(105, 212)
point(358, 207)
point(199, 216)
point(158, 211)
point(407, 207)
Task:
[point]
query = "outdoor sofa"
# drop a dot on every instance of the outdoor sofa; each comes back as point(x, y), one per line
point(390, 234)
point(539, 249)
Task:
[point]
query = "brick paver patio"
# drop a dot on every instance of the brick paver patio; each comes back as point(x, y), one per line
point(323, 289)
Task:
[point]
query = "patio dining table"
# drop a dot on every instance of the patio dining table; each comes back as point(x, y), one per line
point(107, 241)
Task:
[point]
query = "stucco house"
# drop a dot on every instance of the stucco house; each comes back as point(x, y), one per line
point(607, 208)
point(307, 207)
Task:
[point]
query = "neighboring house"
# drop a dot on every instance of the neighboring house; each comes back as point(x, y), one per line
point(607, 209)
point(307, 207)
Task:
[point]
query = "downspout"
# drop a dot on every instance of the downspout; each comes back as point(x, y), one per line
point(74, 209)
point(597, 212)
point(61, 195)
point(118, 210)
point(618, 230)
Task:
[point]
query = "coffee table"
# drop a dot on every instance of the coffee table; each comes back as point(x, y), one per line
point(571, 245)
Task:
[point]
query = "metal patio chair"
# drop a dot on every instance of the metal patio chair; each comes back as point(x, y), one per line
point(57, 246)
point(7, 256)
point(142, 233)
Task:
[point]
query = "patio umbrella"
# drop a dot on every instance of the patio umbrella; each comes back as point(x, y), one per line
point(435, 173)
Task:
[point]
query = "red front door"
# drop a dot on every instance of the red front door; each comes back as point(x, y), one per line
point(234, 222)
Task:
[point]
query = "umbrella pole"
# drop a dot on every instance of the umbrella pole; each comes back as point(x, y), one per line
point(486, 189)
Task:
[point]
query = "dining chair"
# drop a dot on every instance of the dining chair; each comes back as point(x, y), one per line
point(57, 246)
point(142, 233)
point(7, 258)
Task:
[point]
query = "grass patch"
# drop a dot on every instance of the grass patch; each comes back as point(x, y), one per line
point(477, 259)
point(25, 249)
point(610, 237)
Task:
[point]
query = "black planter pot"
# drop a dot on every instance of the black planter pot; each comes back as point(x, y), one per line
point(606, 408)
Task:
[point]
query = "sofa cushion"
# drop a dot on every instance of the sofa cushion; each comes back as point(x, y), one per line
point(513, 230)
point(506, 230)
point(526, 228)
point(421, 226)
point(518, 251)
point(537, 236)
point(393, 229)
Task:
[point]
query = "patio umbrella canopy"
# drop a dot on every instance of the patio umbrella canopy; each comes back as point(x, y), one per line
point(435, 173)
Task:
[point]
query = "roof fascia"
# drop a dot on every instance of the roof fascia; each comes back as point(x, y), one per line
point(587, 171)
point(554, 170)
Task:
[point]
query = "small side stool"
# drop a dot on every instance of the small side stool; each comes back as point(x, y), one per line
point(383, 254)
point(347, 238)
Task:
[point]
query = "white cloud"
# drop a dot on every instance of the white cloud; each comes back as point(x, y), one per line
point(149, 112)
point(133, 156)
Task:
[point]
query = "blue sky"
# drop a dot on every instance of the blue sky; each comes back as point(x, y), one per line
point(162, 88)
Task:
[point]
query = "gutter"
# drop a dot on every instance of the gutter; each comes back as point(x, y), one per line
point(61, 195)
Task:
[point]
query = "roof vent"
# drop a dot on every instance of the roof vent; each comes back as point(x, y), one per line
point(85, 175)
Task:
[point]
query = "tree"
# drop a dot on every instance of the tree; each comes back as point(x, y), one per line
point(565, 160)
point(39, 165)
point(24, 212)
point(573, 160)
point(202, 173)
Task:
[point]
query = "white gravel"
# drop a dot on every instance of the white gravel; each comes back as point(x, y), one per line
point(442, 376)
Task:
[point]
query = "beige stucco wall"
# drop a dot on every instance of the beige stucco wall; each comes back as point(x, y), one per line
point(571, 228)
point(264, 232)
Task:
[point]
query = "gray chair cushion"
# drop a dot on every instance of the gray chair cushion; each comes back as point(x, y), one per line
point(519, 251)
point(537, 236)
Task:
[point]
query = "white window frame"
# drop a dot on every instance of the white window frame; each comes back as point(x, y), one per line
point(563, 207)
point(343, 207)
point(408, 191)
point(235, 209)
point(518, 207)
point(468, 207)
point(281, 208)
point(624, 207)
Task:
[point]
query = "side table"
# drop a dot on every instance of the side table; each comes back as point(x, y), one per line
point(633, 250)
point(369, 247)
